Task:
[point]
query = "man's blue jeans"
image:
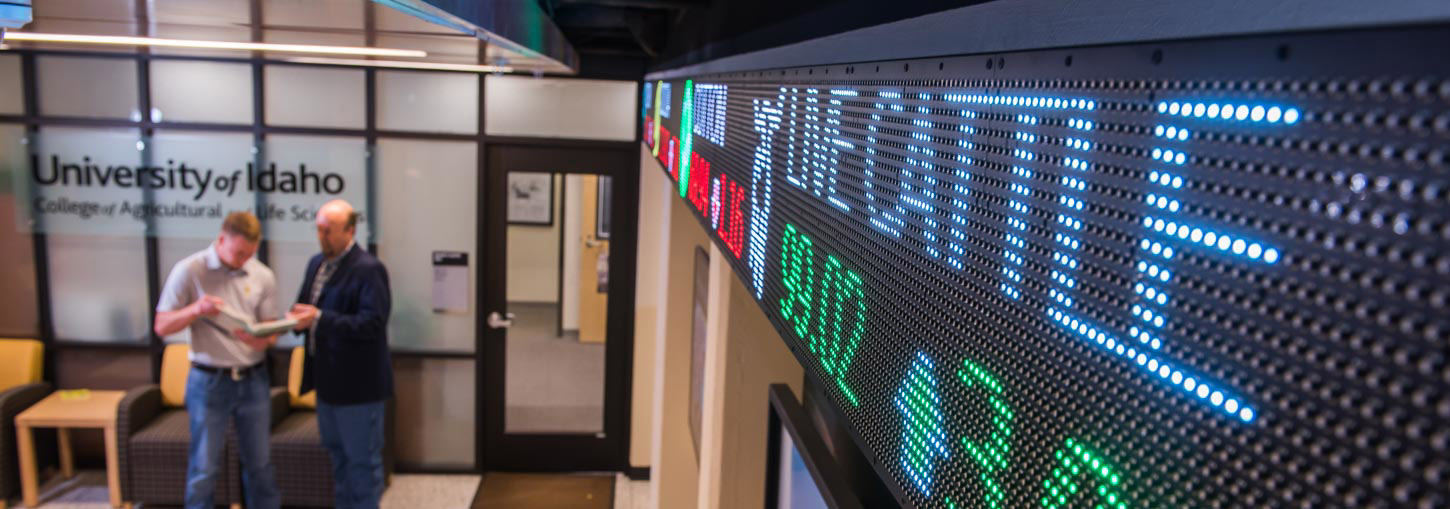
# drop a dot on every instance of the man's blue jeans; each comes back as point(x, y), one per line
point(353, 436)
point(212, 400)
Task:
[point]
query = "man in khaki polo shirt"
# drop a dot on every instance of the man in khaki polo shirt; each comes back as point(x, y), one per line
point(228, 379)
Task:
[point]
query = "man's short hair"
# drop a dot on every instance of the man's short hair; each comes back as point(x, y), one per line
point(243, 224)
point(352, 219)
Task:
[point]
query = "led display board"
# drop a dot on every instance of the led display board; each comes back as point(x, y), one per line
point(1207, 273)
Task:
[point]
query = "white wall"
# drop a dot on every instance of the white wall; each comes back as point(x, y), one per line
point(650, 281)
point(744, 356)
point(573, 244)
point(674, 471)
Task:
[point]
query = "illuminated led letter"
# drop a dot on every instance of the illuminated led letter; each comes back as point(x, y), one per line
point(1073, 462)
point(687, 134)
point(813, 155)
point(659, 89)
point(767, 122)
point(923, 434)
point(826, 308)
point(989, 453)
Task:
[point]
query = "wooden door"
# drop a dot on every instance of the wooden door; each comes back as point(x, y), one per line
point(593, 266)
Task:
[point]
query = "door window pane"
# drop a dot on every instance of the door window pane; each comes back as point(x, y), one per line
point(190, 91)
point(428, 190)
point(554, 375)
point(87, 87)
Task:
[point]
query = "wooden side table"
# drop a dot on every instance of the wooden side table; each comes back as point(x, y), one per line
point(95, 409)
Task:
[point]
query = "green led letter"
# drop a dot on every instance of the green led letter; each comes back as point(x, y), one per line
point(843, 319)
point(991, 453)
point(826, 309)
point(687, 133)
point(1074, 461)
point(797, 261)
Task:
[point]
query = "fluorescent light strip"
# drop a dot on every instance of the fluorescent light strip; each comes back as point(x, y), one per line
point(431, 66)
point(183, 43)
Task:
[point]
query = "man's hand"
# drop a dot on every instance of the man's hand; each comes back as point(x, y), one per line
point(208, 305)
point(253, 342)
point(304, 314)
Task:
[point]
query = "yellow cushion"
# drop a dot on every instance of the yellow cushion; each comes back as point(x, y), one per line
point(294, 382)
point(175, 365)
point(21, 362)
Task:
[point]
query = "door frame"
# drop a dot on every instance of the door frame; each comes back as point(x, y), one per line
point(497, 451)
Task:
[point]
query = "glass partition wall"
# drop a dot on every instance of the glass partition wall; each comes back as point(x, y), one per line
point(85, 247)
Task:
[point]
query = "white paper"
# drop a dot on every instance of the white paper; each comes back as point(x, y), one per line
point(231, 319)
point(450, 282)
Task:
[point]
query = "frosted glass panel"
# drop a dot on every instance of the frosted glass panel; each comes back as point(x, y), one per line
point(315, 13)
point(428, 101)
point(86, 182)
point(427, 197)
point(316, 96)
point(87, 87)
point(98, 288)
point(170, 251)
point(435, 412)
point(17, 259)
point(12, 96)
point(217, 92)
point(559, 108)
point(217, 158)
point(318, 169)
point(288, 260)
point(85, 17)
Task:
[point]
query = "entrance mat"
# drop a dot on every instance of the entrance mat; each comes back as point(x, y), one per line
point(544, 491)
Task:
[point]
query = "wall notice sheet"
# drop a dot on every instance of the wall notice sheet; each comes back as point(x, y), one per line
point(450, 281)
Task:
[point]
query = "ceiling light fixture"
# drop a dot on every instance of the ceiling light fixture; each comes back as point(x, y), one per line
point(183, 43)
point(394, 64)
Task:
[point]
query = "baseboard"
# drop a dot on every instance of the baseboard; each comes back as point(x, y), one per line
point(637, 473)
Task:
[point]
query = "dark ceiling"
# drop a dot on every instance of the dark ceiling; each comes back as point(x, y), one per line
point(624, 38)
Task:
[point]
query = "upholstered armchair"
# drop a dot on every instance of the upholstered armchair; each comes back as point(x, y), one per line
point(21, 363)
point(154, 433)
point(304, 469)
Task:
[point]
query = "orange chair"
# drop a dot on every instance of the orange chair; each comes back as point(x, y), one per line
point(21, 365)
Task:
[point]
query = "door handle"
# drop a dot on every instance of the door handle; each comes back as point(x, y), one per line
point(495, 321)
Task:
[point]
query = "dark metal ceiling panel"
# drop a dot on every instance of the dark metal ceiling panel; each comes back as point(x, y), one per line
point(519, 26)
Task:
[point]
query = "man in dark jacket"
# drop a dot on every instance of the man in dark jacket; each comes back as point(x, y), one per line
point(343, 311)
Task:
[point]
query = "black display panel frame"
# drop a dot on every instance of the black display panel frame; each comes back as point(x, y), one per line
point(1337, 345)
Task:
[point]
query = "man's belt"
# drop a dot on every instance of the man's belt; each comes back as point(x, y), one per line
point(237, 373)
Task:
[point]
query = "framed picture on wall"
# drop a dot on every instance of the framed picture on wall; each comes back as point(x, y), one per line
point(603, 204)
point(531, 199)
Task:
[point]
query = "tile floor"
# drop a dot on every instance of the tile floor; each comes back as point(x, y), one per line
point(87, 490)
